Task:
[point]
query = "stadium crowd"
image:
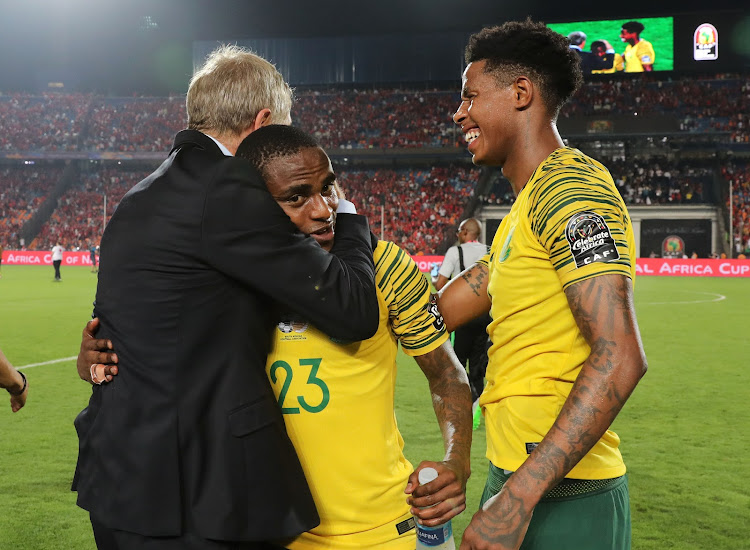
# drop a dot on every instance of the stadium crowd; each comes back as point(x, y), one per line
point(134, 124)
point(47, 122)
point(360, 118)
point(738, 175)
point(721, 103)
point(421, 206)
point(23, 188)
point(78, 220)
point(641, 181)
point(351, 119)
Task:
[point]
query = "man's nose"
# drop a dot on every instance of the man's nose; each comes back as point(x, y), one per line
point(321, 208)
point(460, 114)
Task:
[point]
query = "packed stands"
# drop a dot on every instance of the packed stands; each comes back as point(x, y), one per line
point(48, 122)
point(361, 118)
point(352, 119)
point(78, 219)
point(738, 175)
point(23, 188)
point(420, 206)
point(135, 124)
point(721, 103)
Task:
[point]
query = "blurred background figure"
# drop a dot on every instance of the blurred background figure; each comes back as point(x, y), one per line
point(57, 256)
point(470, 341)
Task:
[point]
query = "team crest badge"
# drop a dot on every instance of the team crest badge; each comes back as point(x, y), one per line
point(290, 325)
point(506, 249)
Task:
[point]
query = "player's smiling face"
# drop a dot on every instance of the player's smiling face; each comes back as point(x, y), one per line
point(303, 184)
point(627, 36)
point(484, 115)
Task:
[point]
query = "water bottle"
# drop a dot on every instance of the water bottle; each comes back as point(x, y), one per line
point(439, 537)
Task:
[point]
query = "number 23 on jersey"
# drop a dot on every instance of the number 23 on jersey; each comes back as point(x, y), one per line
point(312, 397)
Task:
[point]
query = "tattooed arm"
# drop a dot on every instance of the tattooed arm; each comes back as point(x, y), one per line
point(451, 399)
point(603, 309)
point(465, 297)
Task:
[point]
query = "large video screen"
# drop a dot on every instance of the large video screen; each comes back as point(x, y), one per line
point(622, 45)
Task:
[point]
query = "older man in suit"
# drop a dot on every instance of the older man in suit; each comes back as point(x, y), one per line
point(187, 449)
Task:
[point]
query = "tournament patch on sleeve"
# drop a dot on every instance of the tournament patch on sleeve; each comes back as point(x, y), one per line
point(590, 239)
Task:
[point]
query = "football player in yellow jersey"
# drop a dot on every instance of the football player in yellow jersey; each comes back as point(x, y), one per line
point(337, 397)
point(639, 54)
point(566, 351)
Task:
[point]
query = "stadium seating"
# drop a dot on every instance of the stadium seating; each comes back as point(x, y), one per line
point(360, 118)
point(23, 188)
point(738, 174)
point(420, 207)
point(78, 219)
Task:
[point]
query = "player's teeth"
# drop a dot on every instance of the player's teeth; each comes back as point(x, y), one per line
point(471, 135)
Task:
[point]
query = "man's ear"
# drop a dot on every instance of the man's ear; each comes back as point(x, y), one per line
point(263, 118)
point(524, 91)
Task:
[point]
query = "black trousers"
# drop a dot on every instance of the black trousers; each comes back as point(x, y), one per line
point(471, 343)
point(114, 539)
point(57, 263)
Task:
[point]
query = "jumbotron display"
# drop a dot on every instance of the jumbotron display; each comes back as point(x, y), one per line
point(622, 45)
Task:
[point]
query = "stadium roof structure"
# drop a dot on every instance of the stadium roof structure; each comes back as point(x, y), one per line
point(116, 41)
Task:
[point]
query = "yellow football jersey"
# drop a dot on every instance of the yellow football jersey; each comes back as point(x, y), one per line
point(568, 224)
point(637, 56)
point(337, 400)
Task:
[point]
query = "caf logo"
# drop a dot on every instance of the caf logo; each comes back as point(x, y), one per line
point(706, 43)
point(672, 247)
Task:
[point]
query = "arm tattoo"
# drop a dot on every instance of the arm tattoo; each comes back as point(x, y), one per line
point(451, 398)
point(504, 525)
point(603, 309)
point(475, 278)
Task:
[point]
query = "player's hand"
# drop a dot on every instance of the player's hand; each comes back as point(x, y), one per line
point(96, 356)
point(18, 401)
point(441, 499)
point(501, 524)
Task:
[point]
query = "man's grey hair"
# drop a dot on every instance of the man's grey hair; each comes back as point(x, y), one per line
point(576, 38)
point(231, 88)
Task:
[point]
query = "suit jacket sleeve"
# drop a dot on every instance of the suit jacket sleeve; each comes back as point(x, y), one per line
point(247, 236)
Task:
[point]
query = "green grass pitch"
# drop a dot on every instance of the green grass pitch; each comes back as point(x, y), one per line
point(685, 432)
point(658, 31)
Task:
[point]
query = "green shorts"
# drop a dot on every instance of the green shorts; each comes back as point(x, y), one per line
point(576, 515)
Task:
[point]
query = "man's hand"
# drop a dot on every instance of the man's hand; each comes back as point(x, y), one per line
point(501, 524)
point(96, 356)
point(18, 401)
point(441, 499)
point(451, 399)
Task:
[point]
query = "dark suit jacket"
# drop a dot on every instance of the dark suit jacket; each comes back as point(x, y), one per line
point(189, 437)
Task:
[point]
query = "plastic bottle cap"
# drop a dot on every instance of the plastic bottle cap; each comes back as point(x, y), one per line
point(426, 475)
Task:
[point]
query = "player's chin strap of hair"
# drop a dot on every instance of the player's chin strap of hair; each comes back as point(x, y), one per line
point(23, 388)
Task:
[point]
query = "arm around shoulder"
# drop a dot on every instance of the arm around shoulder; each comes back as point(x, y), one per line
point(247, 236)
